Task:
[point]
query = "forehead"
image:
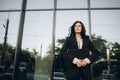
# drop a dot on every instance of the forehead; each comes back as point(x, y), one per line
point(78, 24)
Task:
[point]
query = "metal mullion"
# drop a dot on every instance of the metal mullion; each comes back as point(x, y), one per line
point(16, 75)
point(53, 39)
point(18, 10)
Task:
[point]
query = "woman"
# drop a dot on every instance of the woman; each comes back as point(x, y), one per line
point(81, 67)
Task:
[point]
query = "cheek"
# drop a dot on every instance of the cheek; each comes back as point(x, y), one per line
point(76, 29)
point(81, 28)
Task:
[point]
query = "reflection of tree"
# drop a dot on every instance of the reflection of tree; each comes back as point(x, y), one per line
point(25, 56)
point(99, 43)
point(46, 62)
point(9, 52)
point(116, 56)
point(116, 51)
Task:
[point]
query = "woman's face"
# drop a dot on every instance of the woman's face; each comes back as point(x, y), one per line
point(78, 28)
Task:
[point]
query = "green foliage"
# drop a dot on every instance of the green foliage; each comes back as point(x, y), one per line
point(1, 46)
point(99, 43)
point(116, 51)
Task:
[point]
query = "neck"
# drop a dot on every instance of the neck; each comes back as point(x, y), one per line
point(78, 36)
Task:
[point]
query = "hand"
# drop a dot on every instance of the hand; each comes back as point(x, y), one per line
point(83, 63)
point(79, 63)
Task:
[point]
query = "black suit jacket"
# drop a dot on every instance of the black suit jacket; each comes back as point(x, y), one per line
point(71, 43)
point(71, 70)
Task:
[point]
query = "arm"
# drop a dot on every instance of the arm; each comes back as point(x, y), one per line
point(95, 53)
point(64, 50)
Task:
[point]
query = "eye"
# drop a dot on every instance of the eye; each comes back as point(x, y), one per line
point(75, 25)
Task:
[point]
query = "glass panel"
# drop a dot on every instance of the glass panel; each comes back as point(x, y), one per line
point(65, 20)
point(13, 27)
point(105, 3)
point(37, 38)
point(40, 4)
point(8, 43)
point(105, 30)
point(106, 24)
point(10, 4)
point(3, 18)
point(71, 3)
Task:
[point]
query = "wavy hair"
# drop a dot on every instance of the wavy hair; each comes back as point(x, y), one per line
point(72, 31)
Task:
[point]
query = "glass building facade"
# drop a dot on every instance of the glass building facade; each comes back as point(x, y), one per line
point(30, 38)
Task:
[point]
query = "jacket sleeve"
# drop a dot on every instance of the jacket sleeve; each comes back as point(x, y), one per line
point(95, 53)
point(64, 51)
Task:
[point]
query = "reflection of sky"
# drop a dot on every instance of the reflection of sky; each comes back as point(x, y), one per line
point(10, 4)
point(105, 3)
point(107, 24)
point(38, 30)
point(65, 19)
point(38, 25)
point(13, 26)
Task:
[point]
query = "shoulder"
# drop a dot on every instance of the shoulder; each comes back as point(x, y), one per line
point(86, 37)
point(68, 38)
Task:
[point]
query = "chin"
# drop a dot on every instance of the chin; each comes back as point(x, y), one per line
point(77, 32)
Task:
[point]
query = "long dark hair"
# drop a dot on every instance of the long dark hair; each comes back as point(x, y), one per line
point(72, 31)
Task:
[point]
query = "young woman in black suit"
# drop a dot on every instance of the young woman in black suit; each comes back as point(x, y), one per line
point(80, 68)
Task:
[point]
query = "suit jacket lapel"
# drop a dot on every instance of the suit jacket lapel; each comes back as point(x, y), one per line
point(84, 43)
point(74, 42)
